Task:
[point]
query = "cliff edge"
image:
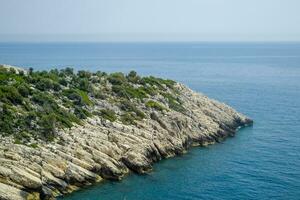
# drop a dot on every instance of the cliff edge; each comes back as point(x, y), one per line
point(61, 130)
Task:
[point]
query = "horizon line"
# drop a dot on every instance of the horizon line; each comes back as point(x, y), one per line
point(154, 41)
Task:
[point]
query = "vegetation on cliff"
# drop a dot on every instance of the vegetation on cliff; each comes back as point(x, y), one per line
point(37, 104)
point(101, 126)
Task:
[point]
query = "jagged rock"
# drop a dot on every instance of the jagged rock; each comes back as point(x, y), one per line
point(101, 149)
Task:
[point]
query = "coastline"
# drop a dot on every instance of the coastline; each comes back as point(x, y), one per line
point(103, 149)
point(130, 173)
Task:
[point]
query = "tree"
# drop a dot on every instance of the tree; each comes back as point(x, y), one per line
point(30, 70)
point(133, 77)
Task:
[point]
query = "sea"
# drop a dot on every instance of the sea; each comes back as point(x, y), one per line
point(261, 80)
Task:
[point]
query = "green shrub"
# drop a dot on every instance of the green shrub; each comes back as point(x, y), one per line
point(42, 98)
point(22, 137)
point(150, 90)
point(108, 114)
point(11, 94)
point(72, 94)
point(155, 105)
point(85, 97)
point(56, 86)
point(67, 72)
point(84, 74)
point(84, 84)
point(100, 74)
point(18, 141)
point(128, 91)
point(30, 71)
point(44, 84)
point(24, 90)
point(99, 95)
point(63, 82)
point(48, 126)
point(159, 82)
point(78, 96)
point(7, 119)
point(133, 77)
point(127, 119)
point(130, 107)
point(40, 103)
point(12, 70)
point(34, 145)
point(29, 118)
point(81, 113)
point(174, 103)
point(117, 78)
point(21, 73)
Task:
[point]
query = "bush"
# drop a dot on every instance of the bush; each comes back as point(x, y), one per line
point(43, 98)
point(30, 71)
point(67, 72)
point(11, 94)
point(12, 70)
point(6, 120)
point(108, 114)
point(117, 78)
point(130, 107)
point(81, 113)
point(34, 145)
point(127, 119)
point(85, 98)
point(44, 84)
point(22, 137)
point(174, 103)
point(84, 74)
point(63, 82)
point(21, 73)
point(48, 124)
point(24, 90)
point(133, 77)
point(84, 84)
point(159, 82)
point(128, 91)
point(79, 97)
point(100, 74)
point(56, 86)
point(72, 94)
point(34, 104)
point(99, 95)
point(155, 105)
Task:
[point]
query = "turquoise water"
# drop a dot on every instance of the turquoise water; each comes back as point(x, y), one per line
point(260, 80)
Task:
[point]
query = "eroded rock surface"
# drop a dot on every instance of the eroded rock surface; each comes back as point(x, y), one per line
point(100, 149)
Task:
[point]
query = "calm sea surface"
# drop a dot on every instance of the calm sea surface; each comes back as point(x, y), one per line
point(260, 80)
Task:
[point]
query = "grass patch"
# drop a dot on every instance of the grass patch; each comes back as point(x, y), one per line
point(108, 114)
point(155, 105)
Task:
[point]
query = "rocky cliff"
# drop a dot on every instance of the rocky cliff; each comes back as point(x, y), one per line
point(109, 146)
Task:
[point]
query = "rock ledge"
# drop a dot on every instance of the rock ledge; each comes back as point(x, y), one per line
point(100, 149)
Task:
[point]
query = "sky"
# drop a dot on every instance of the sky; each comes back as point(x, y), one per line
point(149, 20)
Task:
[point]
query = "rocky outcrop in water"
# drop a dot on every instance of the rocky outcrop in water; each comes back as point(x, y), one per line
point(102, 149)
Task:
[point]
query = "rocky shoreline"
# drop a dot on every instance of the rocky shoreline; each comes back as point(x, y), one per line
point(103, 149)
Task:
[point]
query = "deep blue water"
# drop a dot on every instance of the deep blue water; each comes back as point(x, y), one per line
point(260, 80)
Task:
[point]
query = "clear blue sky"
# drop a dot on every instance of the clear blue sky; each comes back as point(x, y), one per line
point(149, 20)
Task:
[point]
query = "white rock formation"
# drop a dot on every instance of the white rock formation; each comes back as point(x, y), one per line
point(100, 149)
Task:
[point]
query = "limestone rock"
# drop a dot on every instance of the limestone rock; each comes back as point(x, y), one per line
point(109, 150)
